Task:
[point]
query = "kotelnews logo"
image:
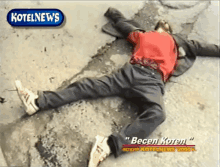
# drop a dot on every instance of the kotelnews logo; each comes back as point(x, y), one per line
point(35, 17)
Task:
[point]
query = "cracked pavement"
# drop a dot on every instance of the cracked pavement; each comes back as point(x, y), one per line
point(52, 58)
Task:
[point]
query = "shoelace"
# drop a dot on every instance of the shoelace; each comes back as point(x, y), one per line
point(103, 154)
point(26, 94)
point(99, 149)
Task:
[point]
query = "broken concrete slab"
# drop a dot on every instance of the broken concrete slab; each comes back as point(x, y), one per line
point(40, 55)
point(63, 137)
point(79, 122)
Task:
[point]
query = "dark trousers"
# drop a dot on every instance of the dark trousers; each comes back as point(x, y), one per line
point(143, 85)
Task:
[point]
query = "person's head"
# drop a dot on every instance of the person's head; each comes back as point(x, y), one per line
point(163, 26)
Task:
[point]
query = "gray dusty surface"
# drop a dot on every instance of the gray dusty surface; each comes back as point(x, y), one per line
point(50, 59)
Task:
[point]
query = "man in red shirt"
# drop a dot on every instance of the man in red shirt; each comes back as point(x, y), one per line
point(157, 46)
point(153, 61)
point(143, 78)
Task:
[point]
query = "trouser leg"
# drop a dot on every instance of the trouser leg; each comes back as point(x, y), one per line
point(87, 88)
point(141, 128)
point(150, 94)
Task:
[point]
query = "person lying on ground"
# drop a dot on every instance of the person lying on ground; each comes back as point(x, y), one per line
point(157, 56)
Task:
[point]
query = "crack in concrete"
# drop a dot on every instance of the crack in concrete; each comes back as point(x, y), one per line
point(29, 158)
point(196, 17)
point(177, 8)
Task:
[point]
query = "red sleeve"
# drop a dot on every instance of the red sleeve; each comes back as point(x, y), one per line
point(133, 37)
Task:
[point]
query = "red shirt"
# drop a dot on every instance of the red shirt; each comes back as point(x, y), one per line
point(159, 47)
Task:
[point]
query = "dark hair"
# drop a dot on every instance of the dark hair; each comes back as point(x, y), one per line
point(161, 24)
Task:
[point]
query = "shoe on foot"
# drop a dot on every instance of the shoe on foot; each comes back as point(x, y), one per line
point(27, 97)
point(99, 151)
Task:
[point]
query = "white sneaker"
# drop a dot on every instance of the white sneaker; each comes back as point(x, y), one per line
point(99, 151)
point(27, 97)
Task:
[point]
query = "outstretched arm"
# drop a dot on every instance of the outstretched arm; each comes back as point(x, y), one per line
point(123, 25)
point(205, 49)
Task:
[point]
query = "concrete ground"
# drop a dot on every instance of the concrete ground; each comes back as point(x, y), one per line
point(52, 58)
